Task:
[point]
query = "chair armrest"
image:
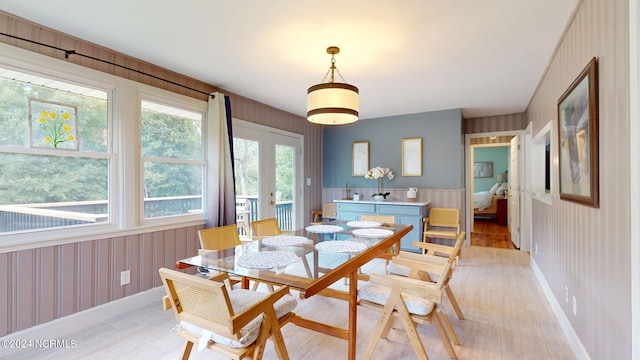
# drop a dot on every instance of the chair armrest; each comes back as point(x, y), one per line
point(433, 248)
point(423, 257)
point(409, 286)
point(418, 266)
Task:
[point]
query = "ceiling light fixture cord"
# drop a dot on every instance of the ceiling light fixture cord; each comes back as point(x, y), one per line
point(331, 70)
point(73, 52)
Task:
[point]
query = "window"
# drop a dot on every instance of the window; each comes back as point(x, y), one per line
point(541, 167)
point(55, 153)
point(172, 158)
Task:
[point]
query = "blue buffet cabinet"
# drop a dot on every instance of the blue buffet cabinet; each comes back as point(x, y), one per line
point(410, 213)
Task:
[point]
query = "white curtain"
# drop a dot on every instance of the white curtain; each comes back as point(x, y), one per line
point(221, 201)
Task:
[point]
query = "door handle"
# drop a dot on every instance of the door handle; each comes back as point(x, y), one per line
point(271, 203)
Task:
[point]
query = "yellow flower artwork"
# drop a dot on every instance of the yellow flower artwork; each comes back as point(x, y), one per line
point(56, 124)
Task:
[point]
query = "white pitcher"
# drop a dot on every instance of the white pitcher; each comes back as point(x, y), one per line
point(412, 193)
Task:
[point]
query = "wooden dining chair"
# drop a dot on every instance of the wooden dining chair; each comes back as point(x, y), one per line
point(220, 238)
point(384, 220)
point(234, 323)
point(414, 299)
point(438, 254)
point(266, 227)
point(442, 223)
point(329, 212)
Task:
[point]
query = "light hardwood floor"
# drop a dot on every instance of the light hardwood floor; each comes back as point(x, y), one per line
point(507, 317)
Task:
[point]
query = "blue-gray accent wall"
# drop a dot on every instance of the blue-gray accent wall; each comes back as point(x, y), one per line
point(499, 155)
point(442, 150)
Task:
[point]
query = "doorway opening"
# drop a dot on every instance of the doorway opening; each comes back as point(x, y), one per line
point(494, 212)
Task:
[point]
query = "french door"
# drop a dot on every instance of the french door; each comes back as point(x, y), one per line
point(268, 172)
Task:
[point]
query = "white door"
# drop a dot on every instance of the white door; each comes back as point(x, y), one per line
point(514, 191)
point(268, 171)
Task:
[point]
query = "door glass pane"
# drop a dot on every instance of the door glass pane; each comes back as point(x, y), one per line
point(246, 155)
point(285, 175)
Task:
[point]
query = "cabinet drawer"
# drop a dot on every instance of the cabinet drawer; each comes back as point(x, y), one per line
point(399, 210)
point(361, 208)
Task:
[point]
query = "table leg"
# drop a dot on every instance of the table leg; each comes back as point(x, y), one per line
point(353, 313)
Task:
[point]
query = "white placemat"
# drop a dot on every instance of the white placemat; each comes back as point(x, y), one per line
point(324, 229)
point(341, 246)
point(267, 259)
point(372, 233)
point(285, 240)
point(364, 224)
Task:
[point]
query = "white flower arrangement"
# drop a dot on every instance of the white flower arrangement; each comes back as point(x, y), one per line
point(378, 173)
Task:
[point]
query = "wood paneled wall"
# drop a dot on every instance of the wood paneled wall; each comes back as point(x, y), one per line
point(587, 249)
point(47, 283)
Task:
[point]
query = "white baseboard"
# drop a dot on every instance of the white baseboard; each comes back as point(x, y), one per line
point(63, 327)
point(574, 341)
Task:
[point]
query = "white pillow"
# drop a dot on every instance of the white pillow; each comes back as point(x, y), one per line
point(494, 188)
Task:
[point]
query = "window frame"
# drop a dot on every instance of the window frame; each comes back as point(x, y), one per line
point(184, 103)
point(124, 126)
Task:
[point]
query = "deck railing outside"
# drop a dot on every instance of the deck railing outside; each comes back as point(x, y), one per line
point(24, 217)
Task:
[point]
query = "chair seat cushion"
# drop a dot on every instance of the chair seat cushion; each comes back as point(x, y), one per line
point(242, 299)
point(379, 294)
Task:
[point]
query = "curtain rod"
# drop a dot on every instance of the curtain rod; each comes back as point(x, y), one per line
point(73, 52)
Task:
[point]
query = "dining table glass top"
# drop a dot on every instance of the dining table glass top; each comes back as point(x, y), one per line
point(301, 257)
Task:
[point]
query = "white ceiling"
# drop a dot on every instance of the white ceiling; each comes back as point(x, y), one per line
point(408, 56)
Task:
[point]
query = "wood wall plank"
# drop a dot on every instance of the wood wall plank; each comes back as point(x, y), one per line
point(159, 255)
point(47, 285)
point(87, 276)
point(119, 262)
point(68, 279)
point(103, 278)
point(24, 270)
point(5, 283)
point(135, 259)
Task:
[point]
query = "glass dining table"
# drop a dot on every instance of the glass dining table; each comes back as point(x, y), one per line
point(310, 260)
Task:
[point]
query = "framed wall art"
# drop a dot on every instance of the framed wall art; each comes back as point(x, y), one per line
point(412, 157)
point(53, 125)
point(578, 139)
point(483, 169)
point(360, 158)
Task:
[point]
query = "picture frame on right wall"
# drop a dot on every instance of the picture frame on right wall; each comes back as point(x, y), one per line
point(578, 139)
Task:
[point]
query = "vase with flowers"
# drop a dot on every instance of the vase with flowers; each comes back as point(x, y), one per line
point(378, 173)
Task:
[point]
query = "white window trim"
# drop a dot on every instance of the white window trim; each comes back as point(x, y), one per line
point(183, 102)
point(125, 172)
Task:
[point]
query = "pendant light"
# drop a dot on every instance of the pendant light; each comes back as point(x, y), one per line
point(332, 103)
